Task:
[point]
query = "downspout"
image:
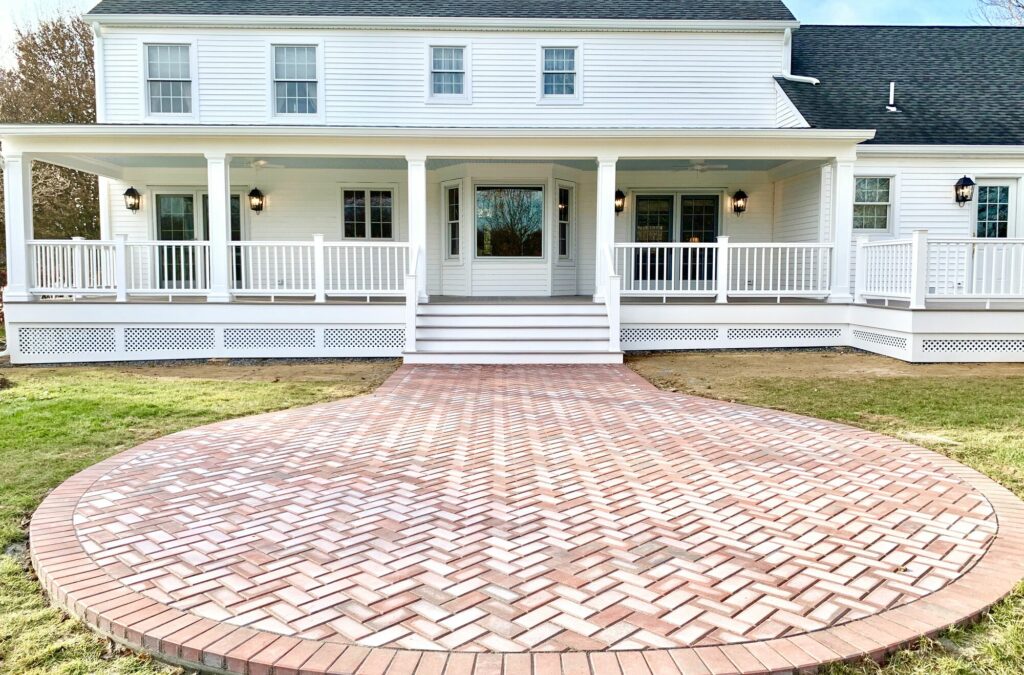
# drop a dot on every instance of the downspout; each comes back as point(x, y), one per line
point(787, 65)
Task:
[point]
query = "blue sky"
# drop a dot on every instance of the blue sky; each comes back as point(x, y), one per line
point(955, 12)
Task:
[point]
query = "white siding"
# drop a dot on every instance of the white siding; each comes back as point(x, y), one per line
point(786, 114)
point(798, 207)
point(379, 78)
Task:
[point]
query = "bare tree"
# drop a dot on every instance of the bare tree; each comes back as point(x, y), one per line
point(51, 82)
point(1002, 11)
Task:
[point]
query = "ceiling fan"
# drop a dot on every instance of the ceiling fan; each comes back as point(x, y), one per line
point(700, 166)
point(265, 164)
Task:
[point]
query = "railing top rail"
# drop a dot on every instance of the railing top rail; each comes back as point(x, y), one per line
point(888, 242)
point(781, 245)
point(670, 244)
point(357, 244)
point(973, 240)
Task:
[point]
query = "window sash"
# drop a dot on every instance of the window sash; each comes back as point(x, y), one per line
point(453, 208)
point(296, 90)
point(872, 207)
point(509, 221)
point(993, 211)
point(169, 79)
point(447, 71)
point(368, 213)
point(559, 71)
point(565, 207)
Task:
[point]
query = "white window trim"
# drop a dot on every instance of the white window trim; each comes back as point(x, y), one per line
point(445, 242)
point(368, 187)
point(890, 225)
point(1014, 228)
point(466, 97)
point(570, 257)
point(577, 98)
point(193, 65)
point(545, 189)
point(273, 117)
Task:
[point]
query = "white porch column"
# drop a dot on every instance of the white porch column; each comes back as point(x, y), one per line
point(18, 215)
point(842, 230)
point(218, 183)
point(605, 226)
point(418, 220)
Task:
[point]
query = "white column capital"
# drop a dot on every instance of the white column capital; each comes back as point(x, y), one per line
point(416, 159)
point(216, 156)
point(607, 159)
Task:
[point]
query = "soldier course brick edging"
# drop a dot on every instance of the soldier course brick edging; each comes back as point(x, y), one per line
point(222, 547)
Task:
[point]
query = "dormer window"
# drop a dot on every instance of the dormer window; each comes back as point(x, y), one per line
point(169, 79)
point(295, 80)
point(560, 74)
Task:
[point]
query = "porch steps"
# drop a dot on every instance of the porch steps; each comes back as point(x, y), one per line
point(510, 333)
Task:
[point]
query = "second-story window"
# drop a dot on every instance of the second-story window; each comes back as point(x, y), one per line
point(295, 85)
point(560, 72)
point(448, 72)
point(169, 79)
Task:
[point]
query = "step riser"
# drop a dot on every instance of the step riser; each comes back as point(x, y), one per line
point(513, 310)
point(470, 321)
point(511, 333)
point(498, 346)
point(512, 359)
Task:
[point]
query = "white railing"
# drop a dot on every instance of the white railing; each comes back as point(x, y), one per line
point(885, 270)
point(612, 301)
point(976, 268)
point(272, 268)
point(667, 270)
point(72, 267)
point(167, 267)
point(119, 268)
point(780, 270)
point(359, 269)
point(724, 269)
point(922, 268)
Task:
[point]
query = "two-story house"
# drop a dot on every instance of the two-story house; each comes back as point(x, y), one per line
point(527, 182)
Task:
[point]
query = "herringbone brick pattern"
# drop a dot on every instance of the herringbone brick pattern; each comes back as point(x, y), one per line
point(531, 509)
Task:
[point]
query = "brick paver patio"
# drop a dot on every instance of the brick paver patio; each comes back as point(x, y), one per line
point(526, 519)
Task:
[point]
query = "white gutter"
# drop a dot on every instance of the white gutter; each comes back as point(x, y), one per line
point(787, 74)
point(436, 23)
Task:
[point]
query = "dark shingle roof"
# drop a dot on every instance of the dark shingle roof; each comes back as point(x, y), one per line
point(692, 10)
point(953, 85)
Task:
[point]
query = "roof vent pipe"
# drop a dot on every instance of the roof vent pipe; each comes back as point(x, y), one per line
point(788, 62)
point(892, 99)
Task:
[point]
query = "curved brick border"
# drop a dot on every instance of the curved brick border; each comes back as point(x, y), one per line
point(77, 584)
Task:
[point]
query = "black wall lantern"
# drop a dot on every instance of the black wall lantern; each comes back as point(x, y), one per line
point(739, 202)
point(132, 200)
point(964, 191)
point(256, 200)
point(620, 201)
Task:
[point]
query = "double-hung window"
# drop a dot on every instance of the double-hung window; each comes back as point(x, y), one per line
point(560, 74)
point(448, 73)
point(295, 80)
point(169, 79)
point(368, 213)
point(872, 204)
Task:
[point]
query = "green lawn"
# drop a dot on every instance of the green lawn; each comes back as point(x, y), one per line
point(55, 422)
point(973, 413)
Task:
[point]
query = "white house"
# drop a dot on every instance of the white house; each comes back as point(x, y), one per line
point(527, 182)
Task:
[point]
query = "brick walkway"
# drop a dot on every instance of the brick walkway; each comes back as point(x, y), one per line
point(514, 519)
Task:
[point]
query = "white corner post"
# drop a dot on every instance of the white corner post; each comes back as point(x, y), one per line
point(418, 221)
point(18, 217)
point(218, 183)
point(919, 269)
point(121, 266)
point(722, 266)
point(861, 269)
point(605, 226)
point(842, 230)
